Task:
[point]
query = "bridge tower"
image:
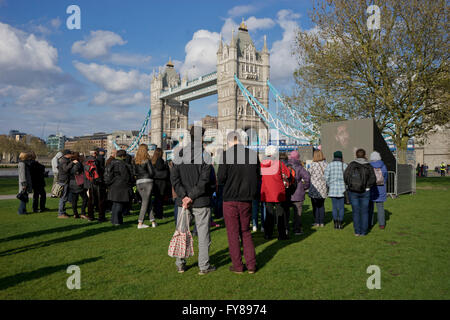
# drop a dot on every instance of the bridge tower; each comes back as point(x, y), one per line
point(240, 57)
point(167, 114)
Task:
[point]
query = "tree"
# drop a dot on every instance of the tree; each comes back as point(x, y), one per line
point(398, 75)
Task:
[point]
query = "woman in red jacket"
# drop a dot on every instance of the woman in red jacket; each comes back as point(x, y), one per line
point(273, 193)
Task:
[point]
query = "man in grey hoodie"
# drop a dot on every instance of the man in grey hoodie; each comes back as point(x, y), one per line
point(359, 178)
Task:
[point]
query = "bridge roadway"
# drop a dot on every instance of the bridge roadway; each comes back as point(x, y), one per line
point(200, 87)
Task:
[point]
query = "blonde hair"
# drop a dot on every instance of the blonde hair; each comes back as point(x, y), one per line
point(24, 156)
point(142, 154)
point(318, 156)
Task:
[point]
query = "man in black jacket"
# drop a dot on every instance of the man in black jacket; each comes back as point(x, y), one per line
point(37, 172)
point(64, 166)
point(239, 172)
point(119, 179)
point(359, 177)
point(94, 171)
point(190, 179)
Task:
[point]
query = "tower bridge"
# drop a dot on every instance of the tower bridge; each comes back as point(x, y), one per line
point(241, 83)
point(170, 95)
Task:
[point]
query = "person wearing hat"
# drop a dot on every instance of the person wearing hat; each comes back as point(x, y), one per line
point(378, 191)
point(65, 164)
point(303, 180)
point(334, 177)
point(273, 193)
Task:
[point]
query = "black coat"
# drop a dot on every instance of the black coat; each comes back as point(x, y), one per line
point(64, 166)
point(37, 172)
point(77, 168)
point(240, 178)
point(161, 178)
point(192, 178)
point(119, 179)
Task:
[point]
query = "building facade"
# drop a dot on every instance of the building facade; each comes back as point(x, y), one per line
point(435, 149)
point(96, 140)
point(56, 142)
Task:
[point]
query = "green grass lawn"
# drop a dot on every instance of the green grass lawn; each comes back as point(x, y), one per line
point(11, 185)
point(126, 263)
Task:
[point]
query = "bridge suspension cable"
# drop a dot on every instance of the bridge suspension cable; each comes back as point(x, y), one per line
point(293, 116)
point(138, 138)
point(272, 120)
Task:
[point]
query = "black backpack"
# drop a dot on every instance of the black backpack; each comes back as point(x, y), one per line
point(357, 178)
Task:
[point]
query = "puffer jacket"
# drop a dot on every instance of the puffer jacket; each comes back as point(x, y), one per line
point(378, 193)
point(272, 187)
point(303, 179)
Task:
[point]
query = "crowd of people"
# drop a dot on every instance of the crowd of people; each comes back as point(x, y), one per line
point(241, 188)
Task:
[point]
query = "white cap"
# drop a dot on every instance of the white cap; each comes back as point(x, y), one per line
point(271, 150)
point(375, 156)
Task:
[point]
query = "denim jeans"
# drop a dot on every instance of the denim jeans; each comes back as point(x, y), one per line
point(380, 213)
point(22, 207)
point(318, 210)
point(338, 208)
point(64, 198)
point(360, 208)
point(258, 207)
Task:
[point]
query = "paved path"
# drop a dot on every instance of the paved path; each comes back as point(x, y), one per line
point(13, 196)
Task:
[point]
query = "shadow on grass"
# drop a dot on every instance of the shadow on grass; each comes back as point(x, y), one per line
point(16, 279)
point(45, 232)
point(86, 233)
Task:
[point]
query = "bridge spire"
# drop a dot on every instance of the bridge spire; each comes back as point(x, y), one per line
point(265, 45)
point(232, 44)
point(220, 44)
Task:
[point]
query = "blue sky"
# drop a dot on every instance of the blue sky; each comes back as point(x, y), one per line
point(98, 78)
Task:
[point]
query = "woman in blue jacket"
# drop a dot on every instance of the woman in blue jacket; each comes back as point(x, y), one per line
point(378, 191)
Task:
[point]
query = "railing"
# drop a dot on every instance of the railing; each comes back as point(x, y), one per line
point(391, 185)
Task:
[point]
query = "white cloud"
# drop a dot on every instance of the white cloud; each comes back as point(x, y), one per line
point(55, 23)
point(201, 53)
point(240, 10)
point(282, 62)
point(21, 51)
point(126, 99)
point(97, 45)
point(227, 27)
point(128, 59)
point(113, 80)
point(255, 23)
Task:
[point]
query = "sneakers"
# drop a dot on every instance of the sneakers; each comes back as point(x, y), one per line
point(83, 216)
point(251, 271)
point(298, 233)
point(235, 271)
point(181, 269)
point(255, 229)
point(382, 227)
point(214, 225)
point(154, 224)
point(63, 216)
point(210, 269)
point(142, 226)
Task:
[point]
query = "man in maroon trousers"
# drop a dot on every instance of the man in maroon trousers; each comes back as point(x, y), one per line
point(239, 173)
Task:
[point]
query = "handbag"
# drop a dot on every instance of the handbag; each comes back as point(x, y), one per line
point(182, 245)
point(57, 190)
point(22, 196)
point(79, 179)
point(346, 195)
